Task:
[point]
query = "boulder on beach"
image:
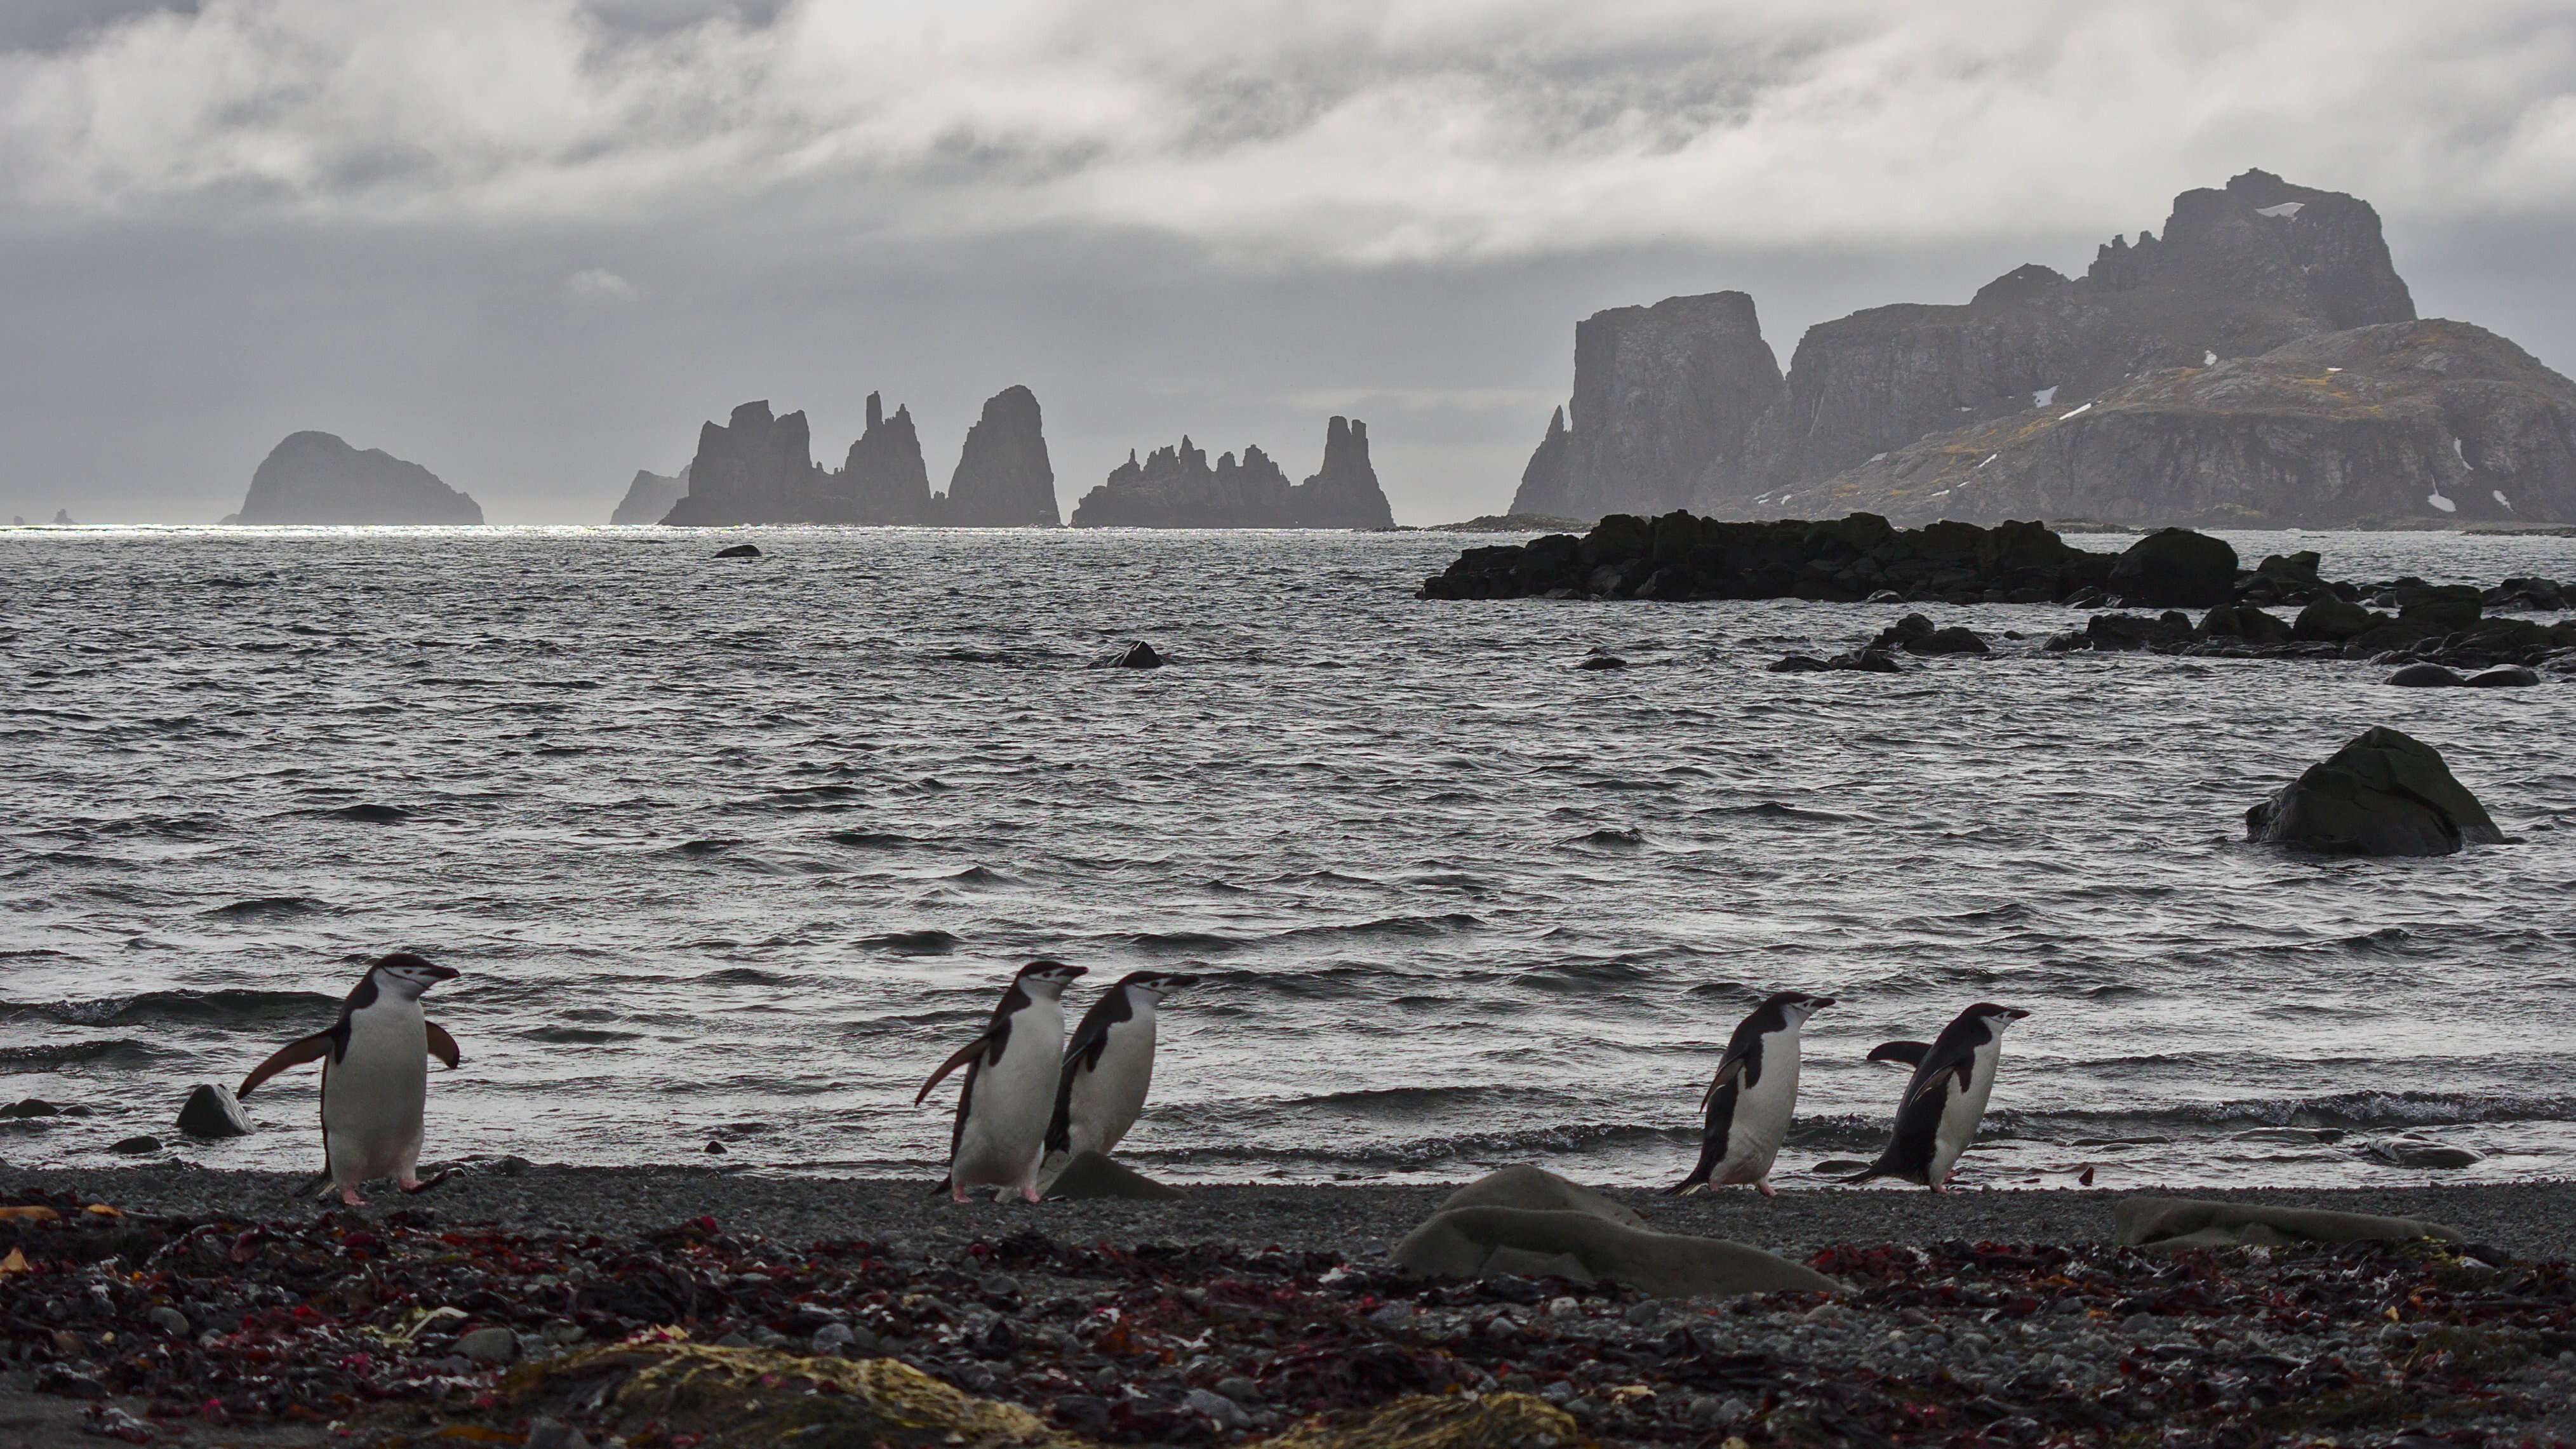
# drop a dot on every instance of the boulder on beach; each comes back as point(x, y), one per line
point(2175, 568)
point(2385, 793)
point(1093, 1175)
point(2173, 1223)
point(1581, 1236)
point(213, 1112)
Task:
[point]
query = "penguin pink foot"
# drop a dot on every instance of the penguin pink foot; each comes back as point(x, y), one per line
point(1028, 1194)
point(349, 1198)
point(957, 1194)
point(1766, 1189)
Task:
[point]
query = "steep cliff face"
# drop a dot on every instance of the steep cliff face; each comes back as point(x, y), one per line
point(1176, 488)
point(883, 480)
point(753, 468)
point(1344, 493)
point(317, 478)
point(1667, 403)
point(650, 497)
point(2432, 421)
point(1680, 404)
point(1003, 477)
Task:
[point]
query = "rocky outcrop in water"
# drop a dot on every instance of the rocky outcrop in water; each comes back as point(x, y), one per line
point(1176, 487)
point(650, 497)
point(1003, 477)
point(2385, 793)
point(2259, 364)
point(1344, 493)
point(317, 478)
point(883, 480)
point(755, 467)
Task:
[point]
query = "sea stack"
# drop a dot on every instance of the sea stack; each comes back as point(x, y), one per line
point(755, 467)
point(649, 497)
point(1345, 492)
point(1175, 487)
point(1003, 477)
point(317, 478)
point(883, 480)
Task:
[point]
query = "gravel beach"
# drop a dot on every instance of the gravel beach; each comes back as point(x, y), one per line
point(213, 1309)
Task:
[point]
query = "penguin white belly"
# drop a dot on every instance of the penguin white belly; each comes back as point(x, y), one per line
point(1761, 1119)
point(1108, 1099)
point(1960, 1114)
point(373, 1097)
point(1006, 1119)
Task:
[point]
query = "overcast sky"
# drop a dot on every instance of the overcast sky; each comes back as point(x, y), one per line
point(532, 244)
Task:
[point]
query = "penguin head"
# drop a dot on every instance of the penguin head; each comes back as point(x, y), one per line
point(408, 975)
point(1155, 985)
point(1796, 1006)
point(1996, 1017)
point(1046, 980)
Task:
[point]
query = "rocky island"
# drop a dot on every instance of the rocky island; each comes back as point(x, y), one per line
point(1175, 487)
point(317, 478)
point(650, 497)
point(758, 467)
point(2259, 364)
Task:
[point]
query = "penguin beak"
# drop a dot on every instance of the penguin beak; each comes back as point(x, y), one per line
point(443, 973)
point(1177, 982)
point(1819, 1003)
point(2015, 1012)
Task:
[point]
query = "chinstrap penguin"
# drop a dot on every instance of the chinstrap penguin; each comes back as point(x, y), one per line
point(1107, 1067)
point(1009, 1093)
point(1752, 1096)
point(375, 1075)
point(1953, 1077)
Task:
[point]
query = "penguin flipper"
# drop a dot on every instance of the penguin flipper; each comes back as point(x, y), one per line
point(1911, 1053)
point(965, 1054)
point(1964, 1069)
point(443, 1046)
point(1730, 1070)
point(295, 1053)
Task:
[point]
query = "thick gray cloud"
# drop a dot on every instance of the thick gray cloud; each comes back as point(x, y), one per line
point(532, 242)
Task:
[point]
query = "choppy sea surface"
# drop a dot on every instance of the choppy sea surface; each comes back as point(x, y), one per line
point(738, 850)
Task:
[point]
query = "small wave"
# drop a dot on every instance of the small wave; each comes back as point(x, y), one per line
point(1182, 942)
point(578, 1035)
point(1774, 810)
point(1611, 838)
point(1588, 975)
point(368, 814)
point(914, 943)
point(744, 976)
point(982, 875)
point(873, 839)
point(226, 1006)
point(713, 845)
point(52, 1057)
point(260, 908)
point(1449, 924)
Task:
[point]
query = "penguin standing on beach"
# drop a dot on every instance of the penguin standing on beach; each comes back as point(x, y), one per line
point(1010, 1089)
point(375, 1075)
point(1753, 1095)
point(1107, 1067)
point(1944, 1098)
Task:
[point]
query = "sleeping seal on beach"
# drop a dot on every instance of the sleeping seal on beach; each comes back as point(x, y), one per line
point(375, 1075)
point(1010, 1089)
point(1752, 1097)
point(1107, 1067)
point(1952, 1079)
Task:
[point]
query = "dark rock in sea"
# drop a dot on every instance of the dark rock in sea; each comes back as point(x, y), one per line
point(1176, 488)
point(2407, 1149)
point(317, 478)
point(1091, 1176)
point(1004, 478)
point(1870, 660)
point(2544, 595)
point(2445, 607)
point(1511, 523)
point(2001, 407)
point(137, 1146)
point(883, 480)
point(2425, 676)
point(1683, 556)
point(2333, 621)
point(2503, 676)
point(2246, 622)
point(212, 1112)
point(2384, 793)
point(739, 550)
point(1603, 661)
point(1136, 655)
point(2176, 568)
point(650, 497)
point(17, 520)
point(29, 1107)
point(63, 519)
point(1916, 635)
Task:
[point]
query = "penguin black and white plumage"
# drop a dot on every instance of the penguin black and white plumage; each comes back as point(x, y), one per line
point(375, 1074)
point(1107, 1067)
point(1752, 1096)
point(1953, 1078)
point(1009, 1094)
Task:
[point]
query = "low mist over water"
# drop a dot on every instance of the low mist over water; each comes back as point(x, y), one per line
point(739, 850)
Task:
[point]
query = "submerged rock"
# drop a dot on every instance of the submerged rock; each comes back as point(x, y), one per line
point(2384, 793)
point(2426, 676)
point(2406, 1149)
point(739, 550)
point(1136, 655)
point(2503, 676)
point(212, 1112)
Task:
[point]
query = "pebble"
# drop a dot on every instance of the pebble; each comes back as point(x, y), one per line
point(833, 1337)
point(491, 1346)
point(170, 1321)
point(137, 1146)
point(1247, 1393)
point(1226, 1412)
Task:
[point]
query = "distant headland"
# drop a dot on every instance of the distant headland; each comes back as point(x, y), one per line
point(317, 478)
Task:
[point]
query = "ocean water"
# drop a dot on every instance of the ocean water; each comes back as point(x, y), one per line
point(738, 851)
